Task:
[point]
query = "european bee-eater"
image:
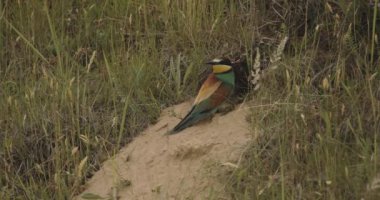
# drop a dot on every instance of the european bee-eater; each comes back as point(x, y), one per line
point(218, 86)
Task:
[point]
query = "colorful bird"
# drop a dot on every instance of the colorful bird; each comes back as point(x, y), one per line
point(218, 86)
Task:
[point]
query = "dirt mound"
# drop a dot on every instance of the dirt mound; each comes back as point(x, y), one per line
point(180, 166)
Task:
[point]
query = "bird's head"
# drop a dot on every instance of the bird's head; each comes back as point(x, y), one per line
point(220, 65)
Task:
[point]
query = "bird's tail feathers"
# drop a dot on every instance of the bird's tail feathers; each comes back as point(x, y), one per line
point(182, 124)
point(186, 122)
point(191, 119)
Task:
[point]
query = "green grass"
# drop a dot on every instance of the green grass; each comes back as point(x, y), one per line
point(80, 79)
point(318, 114)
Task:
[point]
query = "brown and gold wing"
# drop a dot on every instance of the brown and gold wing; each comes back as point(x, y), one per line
point(209, 87)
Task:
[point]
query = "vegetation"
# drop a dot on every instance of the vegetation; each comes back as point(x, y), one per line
point(79, 79)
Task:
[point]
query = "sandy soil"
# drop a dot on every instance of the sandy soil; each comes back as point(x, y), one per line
point(180, 166)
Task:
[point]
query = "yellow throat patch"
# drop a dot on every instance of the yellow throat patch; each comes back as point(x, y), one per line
point(220, 68)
